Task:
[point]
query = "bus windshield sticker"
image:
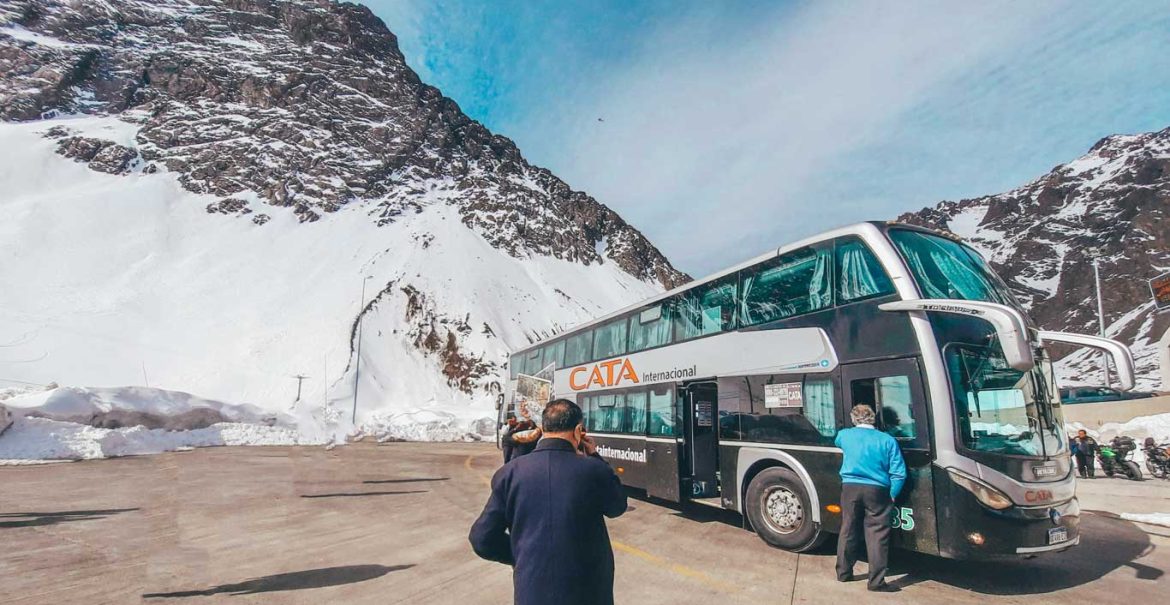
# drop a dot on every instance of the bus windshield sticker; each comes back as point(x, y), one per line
point(784, 395)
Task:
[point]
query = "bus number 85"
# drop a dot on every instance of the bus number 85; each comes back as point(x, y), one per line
point(902, 518)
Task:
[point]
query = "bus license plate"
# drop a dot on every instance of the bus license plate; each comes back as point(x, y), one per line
point(1056, 535)
point(1044, 471)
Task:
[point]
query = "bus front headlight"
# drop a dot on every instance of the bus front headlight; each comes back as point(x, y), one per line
point(989, 496)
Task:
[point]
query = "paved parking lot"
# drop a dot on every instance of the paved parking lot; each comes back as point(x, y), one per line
point(387, 523)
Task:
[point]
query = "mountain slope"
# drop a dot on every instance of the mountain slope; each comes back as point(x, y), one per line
point(1107, 206)
point(197, 190)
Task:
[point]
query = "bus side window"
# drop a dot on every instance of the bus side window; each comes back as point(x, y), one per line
point(554, 355)
point(859, 274)
point(891, 399)
point(706, 309)
point(578, 349)
point(635, 413)
point(820, 406)
point(610, 340)
point(662, 412)
point(798, 282)
point(515, 365)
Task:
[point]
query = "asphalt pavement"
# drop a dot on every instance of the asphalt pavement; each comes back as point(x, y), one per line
point(387, 523)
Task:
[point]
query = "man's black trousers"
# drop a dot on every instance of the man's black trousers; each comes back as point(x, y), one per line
point(1085, 464)
point(865, 521)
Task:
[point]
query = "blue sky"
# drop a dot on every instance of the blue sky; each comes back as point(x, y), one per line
point(729, 128)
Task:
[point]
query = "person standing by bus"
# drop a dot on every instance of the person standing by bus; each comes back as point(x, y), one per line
point(1085, 450)
point(872, 474)
point(546, 516)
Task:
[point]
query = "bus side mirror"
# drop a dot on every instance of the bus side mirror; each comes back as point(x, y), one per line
point(1008, 324)
point(1122, 356)
point(499, 401)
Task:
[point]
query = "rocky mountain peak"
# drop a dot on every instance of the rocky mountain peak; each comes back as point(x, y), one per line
point(1106, 207)
point(306, 106)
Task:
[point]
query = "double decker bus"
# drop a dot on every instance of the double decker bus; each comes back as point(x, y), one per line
point(729, 391)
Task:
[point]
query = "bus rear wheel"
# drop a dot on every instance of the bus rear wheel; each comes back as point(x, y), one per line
point(779, 510)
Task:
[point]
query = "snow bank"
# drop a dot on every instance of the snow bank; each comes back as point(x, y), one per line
point(1162, 519)
point(38, 439)
point(75, 423)
point(81, 405)
point(428, 425)
point(1156, 426)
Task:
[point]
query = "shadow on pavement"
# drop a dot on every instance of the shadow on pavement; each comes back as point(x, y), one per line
point(423, 480)
point(297, 580)
point(1107, 543)
point(34, 519)
point(361, 494)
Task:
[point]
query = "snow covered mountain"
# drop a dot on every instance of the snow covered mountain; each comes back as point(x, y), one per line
point(196, 193)
point(1109, 205)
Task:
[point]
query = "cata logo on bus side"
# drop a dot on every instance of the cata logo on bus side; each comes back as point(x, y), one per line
point(604, 374)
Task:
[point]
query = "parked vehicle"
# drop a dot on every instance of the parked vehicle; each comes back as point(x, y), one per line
point(1115, 458)
point(1157, 458)
point(1073, 395)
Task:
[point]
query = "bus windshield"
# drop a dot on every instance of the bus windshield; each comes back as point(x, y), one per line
point(1001, 410)
point(944, 268)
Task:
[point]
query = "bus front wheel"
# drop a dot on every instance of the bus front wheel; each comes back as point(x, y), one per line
point(779, 510)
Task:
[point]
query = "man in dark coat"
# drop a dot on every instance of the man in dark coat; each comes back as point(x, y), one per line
point(545, 516)
point(1085, 449)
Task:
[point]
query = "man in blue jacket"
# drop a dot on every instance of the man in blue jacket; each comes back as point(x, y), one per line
point(545, 516)
point(872, 474)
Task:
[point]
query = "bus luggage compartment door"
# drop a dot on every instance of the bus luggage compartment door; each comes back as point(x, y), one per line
point(702, 440)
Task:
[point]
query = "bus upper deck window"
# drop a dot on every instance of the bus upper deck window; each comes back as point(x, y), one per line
point(859, 274)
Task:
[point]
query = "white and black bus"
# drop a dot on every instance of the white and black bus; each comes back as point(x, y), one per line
point(729, 391)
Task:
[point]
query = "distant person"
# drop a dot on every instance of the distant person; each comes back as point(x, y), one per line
point(545, 516)
point(1084, 451)
point(521, 435)
point(872, 475)
point(507, 446)
point(528, 431)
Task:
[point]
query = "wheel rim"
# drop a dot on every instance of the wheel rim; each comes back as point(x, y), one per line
point(783, 511)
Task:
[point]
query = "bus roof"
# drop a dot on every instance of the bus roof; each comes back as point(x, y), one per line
point(868, 227)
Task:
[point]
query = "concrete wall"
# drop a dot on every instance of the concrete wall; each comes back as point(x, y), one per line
point(1093, 415)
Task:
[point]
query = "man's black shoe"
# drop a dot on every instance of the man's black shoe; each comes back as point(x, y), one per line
point(885, 588)
point(848, 578)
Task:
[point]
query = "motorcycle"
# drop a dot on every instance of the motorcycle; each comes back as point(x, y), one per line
point(1157, 458)
point(1114, 458)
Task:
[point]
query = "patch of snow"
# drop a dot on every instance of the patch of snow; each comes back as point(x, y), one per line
point(20, 33)
point(44, 439)
point(67, 402)
point(966, 223)
point(1162, 519)
point(602, 247)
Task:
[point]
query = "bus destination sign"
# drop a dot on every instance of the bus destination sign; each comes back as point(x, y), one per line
point(1160, 289)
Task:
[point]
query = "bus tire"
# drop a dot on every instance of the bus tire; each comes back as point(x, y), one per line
point(779, 510)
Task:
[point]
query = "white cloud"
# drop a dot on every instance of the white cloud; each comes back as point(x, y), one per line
point(708, 147)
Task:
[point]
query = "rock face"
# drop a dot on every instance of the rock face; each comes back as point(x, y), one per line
point(268, 110)
point(1108, 206)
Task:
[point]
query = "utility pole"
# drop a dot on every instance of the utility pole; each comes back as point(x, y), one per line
point(300, 378)
point(1101, 319)
point(357, 363)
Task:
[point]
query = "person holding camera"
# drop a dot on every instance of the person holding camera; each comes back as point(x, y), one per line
point(546, 516)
